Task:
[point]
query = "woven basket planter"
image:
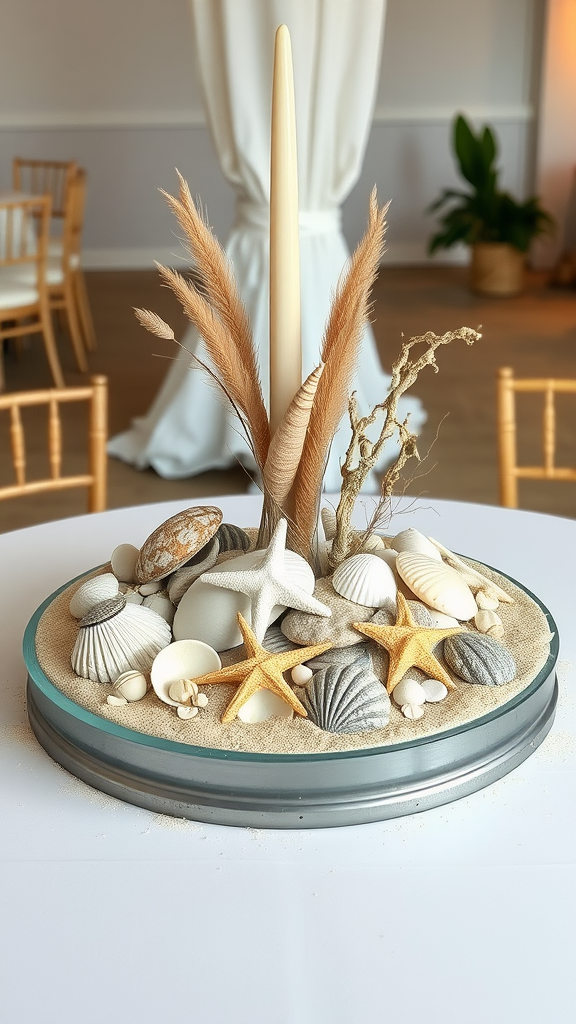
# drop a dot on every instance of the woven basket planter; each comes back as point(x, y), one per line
point(497, 269)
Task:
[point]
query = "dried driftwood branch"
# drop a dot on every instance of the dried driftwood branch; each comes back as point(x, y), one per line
point(363, 454)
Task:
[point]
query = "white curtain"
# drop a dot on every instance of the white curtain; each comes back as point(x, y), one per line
point(336, 48)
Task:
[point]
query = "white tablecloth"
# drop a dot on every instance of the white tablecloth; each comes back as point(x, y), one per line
point(461, 915)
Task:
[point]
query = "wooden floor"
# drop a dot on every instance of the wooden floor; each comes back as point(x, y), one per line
point(534, 333)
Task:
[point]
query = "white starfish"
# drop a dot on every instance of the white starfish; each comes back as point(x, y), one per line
point(268, 584)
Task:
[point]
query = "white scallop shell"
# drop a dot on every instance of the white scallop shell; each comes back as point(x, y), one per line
point(366, 579)
point(111, 641)
point(184, 659)
point(437, 584)
point(131, 685)
point(92, 592)
point(123, 562)
point(373, 544)
point(209, 613)
point(413, 540)
point(435, 690)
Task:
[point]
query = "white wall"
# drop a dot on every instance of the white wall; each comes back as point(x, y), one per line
point(112, 84)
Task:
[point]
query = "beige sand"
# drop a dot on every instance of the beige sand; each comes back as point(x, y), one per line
point(526, 635)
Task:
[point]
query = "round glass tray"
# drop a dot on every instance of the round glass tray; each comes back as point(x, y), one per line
point(230, 787)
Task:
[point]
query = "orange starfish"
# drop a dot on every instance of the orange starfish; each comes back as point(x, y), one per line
point(408, 645)
point(262, 670)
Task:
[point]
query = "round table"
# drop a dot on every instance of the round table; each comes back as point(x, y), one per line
point(463, 913)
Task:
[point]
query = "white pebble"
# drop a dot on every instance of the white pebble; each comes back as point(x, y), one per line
point(301, 674)
point(201, 700)
point(442, 621)
point(408, 691)
point(123, 561)
point(434, 690)
point(131, 685)
point(133, 597)
point(150, 588)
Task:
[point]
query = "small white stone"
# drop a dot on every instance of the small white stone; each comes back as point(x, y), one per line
point(485, 603)
point(150, 588)
point(123, 561)
point(412, 711)
point(301, 674)
point(131, 685)
point(185, 712)
point(133, 597)
point(162, 605)
point(408, 691)
point(115, 701)
point(434, 690)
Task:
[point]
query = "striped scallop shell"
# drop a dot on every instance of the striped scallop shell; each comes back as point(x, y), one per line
point(115, 637)
point(233, 538)
point(347, 698)
point(92, 592)
point(413, 540)
point(437, 584)
point(365, 579)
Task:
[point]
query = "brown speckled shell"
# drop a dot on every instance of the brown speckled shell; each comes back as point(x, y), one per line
point(175, 541)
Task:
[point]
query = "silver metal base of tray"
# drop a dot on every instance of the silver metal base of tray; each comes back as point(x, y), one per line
point(288, 790)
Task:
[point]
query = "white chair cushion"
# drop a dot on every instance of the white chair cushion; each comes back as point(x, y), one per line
point(14, 292)
point(56, 249)
point(54, 273)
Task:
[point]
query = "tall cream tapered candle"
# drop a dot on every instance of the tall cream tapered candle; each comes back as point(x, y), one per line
point(285, 340)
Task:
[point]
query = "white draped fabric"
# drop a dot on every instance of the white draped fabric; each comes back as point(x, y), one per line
point(336, 47)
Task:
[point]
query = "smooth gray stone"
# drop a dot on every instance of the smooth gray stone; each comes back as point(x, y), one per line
point(305, 628)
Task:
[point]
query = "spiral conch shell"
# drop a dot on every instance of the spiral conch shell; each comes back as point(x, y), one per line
point(286, 445)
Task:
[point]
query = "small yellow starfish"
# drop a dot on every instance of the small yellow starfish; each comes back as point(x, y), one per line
point(262, 670)
point(409, 644)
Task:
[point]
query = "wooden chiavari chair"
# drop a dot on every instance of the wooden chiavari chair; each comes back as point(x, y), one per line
point(95, 478)
point(509, 471)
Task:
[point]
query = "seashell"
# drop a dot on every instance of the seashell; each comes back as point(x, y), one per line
point(232, 538)
point(347, 698)
point(131, 685)
point(186, 712)
point(408, 691)
point(412, 711)
point(147, 589)
point(115, 701)
point(437, 584)
point(441, 621)
point(162, 605)
point(479, 659)
point(372, 545)
point(176, 541)
point(387, 555)
point(486, 603)
point(338, 656)
point(183, 578)
point(183, 690)
point(490, 623)
point(263, 705)
point(328, 517)
point(123, 562)
point(115, 637)
point(367, 580)
point(183, 659)
point(92, 592)
point(209, 613)
point(286, 445)
point(435, 690)
point(301, 674)
point(475, 580)
point(413, 540)
point(275, 641)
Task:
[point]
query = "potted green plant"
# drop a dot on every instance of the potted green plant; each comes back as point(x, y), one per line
point(497, 227)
